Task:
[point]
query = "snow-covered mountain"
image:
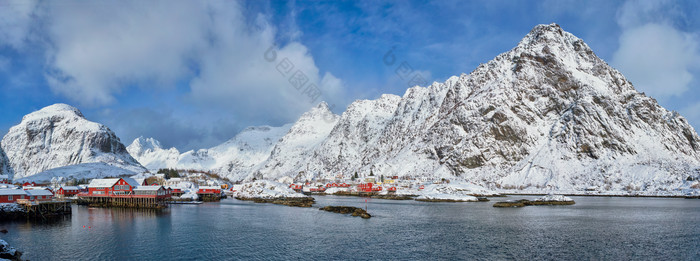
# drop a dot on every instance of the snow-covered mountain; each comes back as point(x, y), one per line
point(548, 114)
point(151, 154)
point(58, 136)
point(235, 157)
point(300, 142)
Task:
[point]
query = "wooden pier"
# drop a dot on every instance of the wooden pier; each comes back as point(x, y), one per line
point(126, 201)
point(45, 209)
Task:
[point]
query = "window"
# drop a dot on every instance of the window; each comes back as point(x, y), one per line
point(9, 197)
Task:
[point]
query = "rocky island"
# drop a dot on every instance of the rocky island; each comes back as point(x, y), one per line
point(356, 212)
point(546, 200)
point(264, 191)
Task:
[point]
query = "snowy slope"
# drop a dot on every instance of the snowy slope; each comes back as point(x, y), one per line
point(546, 115)
point(300, 142)
point(235, 157)
point(267, 190)
point(79, 171)
point(151, 155)
point(59, 135)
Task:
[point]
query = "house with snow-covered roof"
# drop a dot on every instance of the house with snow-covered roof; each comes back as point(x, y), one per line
point(67, 191)
point(152, 191)
point(12, 195)
point(39, 194)
point(113, 186)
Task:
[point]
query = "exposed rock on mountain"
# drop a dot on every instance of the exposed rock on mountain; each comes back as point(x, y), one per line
point(4, 164)
point(59, 135)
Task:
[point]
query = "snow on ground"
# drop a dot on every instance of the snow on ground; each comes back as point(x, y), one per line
point(335, 190)
point(456, 192)
point(267, 190)
point(10, 207)
point(400, 192)
point(6, 248)
point(552, 197)
point(79, 171)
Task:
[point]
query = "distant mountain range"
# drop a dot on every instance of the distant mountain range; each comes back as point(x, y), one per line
point(546, 115)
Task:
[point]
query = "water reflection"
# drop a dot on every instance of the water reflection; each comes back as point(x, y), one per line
point(594, 228)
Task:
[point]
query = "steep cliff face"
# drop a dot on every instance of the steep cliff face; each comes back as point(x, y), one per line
point(548, 114)
point(59, 135)
point(4, 164)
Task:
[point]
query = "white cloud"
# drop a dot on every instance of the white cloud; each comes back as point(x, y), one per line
point(97, 51)
point(658, 58)
point(98, 48)
point(15, 22)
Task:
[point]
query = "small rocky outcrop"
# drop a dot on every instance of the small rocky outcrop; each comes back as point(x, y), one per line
point(292, 202)
point(547, 200)
point(512, 204)
point(8, 252)
point(355, 212)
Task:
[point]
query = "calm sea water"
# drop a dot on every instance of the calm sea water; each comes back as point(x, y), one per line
point(594, 228)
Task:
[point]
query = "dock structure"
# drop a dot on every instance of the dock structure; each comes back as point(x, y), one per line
point(124, 192)
point(45, 209)
point(127, 201)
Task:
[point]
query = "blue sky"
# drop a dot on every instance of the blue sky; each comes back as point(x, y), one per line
point(192, 74)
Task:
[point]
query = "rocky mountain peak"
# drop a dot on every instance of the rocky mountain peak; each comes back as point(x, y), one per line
point(59, 135)
point(141, 145)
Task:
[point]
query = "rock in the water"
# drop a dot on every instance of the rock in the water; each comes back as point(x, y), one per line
point(292, 202)
point(546, 200)
point(356, 212)
point(511, 204)
point(8, 252)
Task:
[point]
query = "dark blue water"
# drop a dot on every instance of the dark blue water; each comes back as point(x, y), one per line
point(594, 228)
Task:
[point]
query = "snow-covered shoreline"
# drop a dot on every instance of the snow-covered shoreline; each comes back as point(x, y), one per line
point(264, 191)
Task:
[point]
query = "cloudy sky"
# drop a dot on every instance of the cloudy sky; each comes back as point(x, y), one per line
point(194, 73)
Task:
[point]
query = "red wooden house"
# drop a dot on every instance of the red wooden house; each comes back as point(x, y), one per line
point(297, 188)
point(212, 190)
point(12, 195)
point(111, 187)
point(158, 192)
point(4, 179)
point(68, 191)
point(369, 187)
point(39, 194)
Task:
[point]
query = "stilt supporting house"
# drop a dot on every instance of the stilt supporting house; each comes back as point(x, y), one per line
point(124, 201)
point(45, 209)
